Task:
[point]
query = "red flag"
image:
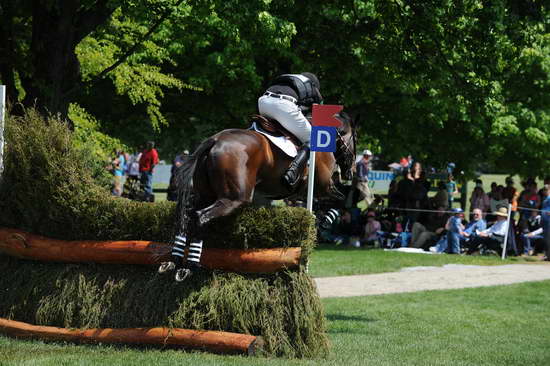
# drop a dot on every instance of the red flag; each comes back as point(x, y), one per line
point(324, 115)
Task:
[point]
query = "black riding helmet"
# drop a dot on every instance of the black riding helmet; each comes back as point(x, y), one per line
point(314, 79)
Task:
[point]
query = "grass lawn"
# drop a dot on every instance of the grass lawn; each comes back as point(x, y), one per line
point(330, 260)
point(503, 325)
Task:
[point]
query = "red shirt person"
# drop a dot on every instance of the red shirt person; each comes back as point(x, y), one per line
point(149, 158)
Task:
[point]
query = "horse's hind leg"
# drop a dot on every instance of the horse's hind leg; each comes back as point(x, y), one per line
point(222, 207)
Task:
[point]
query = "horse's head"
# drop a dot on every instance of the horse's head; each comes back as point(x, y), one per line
point(345, 145)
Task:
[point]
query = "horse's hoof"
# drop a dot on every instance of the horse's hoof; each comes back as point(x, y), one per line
point(166, 266)
point(182, 274)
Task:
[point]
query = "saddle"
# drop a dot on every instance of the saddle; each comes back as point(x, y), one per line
point(274, 128)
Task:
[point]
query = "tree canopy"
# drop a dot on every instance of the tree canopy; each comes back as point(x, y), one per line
point(466, 81)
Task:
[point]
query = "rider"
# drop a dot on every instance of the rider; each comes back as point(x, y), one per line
point(286, 100)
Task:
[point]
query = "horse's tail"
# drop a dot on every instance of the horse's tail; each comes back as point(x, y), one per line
point(184, 182)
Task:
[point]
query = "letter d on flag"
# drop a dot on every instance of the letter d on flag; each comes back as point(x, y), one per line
point(323, 138)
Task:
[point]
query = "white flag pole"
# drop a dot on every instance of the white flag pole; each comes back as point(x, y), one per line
point(2, 112)
point(310, 180)
point(507, 231)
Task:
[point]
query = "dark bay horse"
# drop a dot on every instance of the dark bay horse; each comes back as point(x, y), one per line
point(235, 167)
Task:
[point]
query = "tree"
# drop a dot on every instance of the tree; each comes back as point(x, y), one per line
point(38, 42)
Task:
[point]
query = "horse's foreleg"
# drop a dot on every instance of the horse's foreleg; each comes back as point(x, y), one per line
point(222, 207)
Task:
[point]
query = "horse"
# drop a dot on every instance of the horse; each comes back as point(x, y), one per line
point(236, 167)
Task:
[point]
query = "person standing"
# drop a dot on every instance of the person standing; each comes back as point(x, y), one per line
point(452, 189)
point(511, 194)
point(149, 159)
point(178, 162)
point(545, 215)
point(362, 174)
point(119, 164)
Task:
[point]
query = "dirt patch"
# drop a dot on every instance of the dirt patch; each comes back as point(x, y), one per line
point(449, 276)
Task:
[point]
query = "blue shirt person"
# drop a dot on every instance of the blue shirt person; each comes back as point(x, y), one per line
point(455, 231)
point(545, 215)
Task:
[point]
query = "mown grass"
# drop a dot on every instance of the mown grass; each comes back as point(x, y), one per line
point(330, 260)
point(503, 325)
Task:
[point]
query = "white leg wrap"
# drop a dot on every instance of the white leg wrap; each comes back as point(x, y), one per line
point(178, 250)
point(195, 251)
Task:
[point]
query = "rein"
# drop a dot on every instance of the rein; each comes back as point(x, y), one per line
point(347, 152)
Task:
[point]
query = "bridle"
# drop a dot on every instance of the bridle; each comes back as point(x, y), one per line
point(347, 151)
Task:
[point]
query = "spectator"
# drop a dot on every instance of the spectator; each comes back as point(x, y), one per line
point(546, 183)
point(405, 197)
point(147, 162)
point(441, 198)
point(132, 168)
point(475, 225)
point(532, 232)
point(372, 228)
point(479, 198)
point(452, 189)
point(424, 234)
point(494, 186)
point(455, 230)
point(491, 239)
point(362, 178)
point(178, 162)
point(496, 201)
point(529, 199)
point(419, 192)
point(511, 194)
point(119, 167)
point(545, 216)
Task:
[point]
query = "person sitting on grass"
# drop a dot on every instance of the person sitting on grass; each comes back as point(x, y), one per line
point(428, 231)
point(477, 224)
point(533, 231)
point(372, 228)
point(491, 239)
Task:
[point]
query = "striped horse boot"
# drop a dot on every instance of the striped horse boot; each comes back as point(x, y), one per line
point(178, 253)
point(193, 262)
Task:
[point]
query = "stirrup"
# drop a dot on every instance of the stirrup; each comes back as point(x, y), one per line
point(166, 266)
point(182, 274)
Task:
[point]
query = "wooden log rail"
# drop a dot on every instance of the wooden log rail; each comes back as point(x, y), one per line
point(24, 245)
point(215, 341)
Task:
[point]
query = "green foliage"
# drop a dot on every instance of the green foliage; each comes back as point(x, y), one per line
point(465, 81)
point(95, 146)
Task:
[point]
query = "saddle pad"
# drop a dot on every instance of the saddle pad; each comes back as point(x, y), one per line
point(281, 142)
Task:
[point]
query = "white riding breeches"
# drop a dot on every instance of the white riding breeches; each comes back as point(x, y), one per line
point(288, 114)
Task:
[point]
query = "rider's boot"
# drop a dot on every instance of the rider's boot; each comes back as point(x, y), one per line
point(296, 168)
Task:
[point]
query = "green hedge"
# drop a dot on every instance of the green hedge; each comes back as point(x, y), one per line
point(54, 189)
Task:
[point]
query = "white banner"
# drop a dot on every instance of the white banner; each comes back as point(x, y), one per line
point(379, 180)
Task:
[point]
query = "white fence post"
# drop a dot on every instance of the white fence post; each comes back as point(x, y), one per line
point(2, 112)
point(507, 231)
point(310, 181)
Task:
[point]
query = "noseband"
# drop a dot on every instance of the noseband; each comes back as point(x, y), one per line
point(347, 152)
